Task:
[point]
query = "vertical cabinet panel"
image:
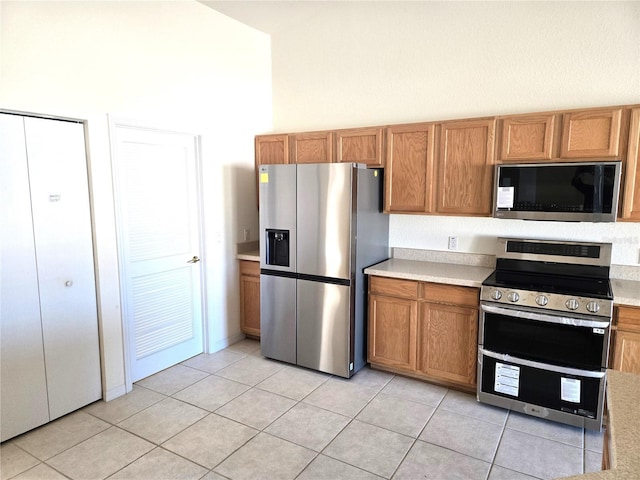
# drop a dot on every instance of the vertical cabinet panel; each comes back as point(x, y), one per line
point(409, 168)
point(631, 188)
point(23, 397)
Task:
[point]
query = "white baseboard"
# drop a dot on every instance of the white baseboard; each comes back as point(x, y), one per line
point(225, 342)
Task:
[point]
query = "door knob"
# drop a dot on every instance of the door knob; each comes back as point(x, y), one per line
point(195, 259)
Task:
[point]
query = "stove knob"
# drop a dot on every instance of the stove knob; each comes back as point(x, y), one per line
point(593, 307)
point(496, 295)
point(513, 297)
point(572, 304)
point(542, 300)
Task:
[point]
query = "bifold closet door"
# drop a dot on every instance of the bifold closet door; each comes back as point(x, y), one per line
point(56, 157)
point(50, 358)
point(23, 397)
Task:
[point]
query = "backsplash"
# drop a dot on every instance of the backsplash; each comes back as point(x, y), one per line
point(623, 272)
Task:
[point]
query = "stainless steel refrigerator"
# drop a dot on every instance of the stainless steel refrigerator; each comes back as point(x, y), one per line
point(321, 225)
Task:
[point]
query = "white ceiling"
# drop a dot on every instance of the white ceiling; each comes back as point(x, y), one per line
point(269, 16)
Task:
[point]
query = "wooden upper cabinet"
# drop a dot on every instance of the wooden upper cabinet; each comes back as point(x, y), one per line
point(527, 137)
point(465, 167)
point(312, 147)
point(272, 149)
point(360, 145)
point(631, 186)
point(409, 169)
point(591, 134)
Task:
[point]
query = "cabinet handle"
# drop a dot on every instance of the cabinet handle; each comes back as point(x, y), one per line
point(68, 283)
point(195, 259)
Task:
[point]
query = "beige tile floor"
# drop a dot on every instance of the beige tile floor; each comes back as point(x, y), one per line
point(234, 414)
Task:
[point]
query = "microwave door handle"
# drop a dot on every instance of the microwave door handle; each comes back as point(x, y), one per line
point(541, 317)
point(542, 366)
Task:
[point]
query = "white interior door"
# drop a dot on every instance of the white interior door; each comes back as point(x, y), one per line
point(158, 218)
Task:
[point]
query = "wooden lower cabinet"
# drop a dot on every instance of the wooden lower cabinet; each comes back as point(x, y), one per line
point(448, 342)
point(424, 330)
point(626, 339)
point(392, 331)
point(250, 297)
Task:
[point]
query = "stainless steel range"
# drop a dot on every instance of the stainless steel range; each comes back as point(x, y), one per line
point(543, 341)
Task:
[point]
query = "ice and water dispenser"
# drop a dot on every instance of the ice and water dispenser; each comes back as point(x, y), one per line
point(277, 247)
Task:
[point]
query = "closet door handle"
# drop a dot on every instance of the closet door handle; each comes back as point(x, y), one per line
point(195, 259)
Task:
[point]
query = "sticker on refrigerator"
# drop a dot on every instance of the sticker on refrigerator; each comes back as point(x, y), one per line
point(264, 177)
point(507, 379)
point(505, 197)
point(570, 390)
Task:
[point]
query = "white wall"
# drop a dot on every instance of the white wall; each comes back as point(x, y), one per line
point(178, 64)
point(367, 63)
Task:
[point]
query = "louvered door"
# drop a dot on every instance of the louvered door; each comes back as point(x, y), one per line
point(159, 244)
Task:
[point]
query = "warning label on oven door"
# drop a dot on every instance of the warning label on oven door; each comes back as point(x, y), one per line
point(570, 390)
point(507, 379)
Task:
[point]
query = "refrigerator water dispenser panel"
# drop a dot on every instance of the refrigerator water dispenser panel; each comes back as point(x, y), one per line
point(277, 247)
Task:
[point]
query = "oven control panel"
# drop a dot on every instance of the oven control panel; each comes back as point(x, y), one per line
point(548, 301)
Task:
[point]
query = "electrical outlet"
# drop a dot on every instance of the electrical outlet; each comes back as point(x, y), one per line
point(246, 234)
point(453, 243)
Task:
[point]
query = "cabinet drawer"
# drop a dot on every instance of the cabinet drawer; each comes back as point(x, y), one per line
point(628, 318)
point(450, 294)
point(248, 267)
point(394, 287)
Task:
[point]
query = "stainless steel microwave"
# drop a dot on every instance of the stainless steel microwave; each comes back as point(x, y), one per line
point(570, 192)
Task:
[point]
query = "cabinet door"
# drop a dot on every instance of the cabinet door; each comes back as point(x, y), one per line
point(409, 168)
point(250, 298)
point(527, 137)
point(272, 149)
point(360, 145)
point(626, 343)
point(626, 356)
point(315, 147)
point(465, 167)
point(392, 331)
point(591, 134)
point(631, 193)
point(447, 342)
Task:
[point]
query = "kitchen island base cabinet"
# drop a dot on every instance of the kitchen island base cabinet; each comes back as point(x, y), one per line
point(250, 297)
point(424, 330)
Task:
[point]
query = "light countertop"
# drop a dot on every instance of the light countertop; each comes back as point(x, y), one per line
point(453, 274)
point(623, 403)
point(252, 256)
point(625, 292)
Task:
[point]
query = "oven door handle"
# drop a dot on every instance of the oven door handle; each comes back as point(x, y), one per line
point(543, 366)
point(541, 317)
